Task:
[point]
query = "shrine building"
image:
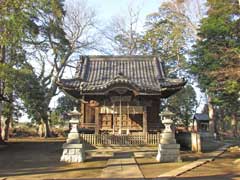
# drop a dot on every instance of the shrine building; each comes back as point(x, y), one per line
point(120, 94)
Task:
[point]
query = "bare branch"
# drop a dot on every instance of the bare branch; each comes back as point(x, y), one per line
point(79, 23)
point(122, 32)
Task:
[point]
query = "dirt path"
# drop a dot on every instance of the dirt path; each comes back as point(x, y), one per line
point(225, 167)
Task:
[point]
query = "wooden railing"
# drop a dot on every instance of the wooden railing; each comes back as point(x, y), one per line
point(108, 139)
point(87, 125)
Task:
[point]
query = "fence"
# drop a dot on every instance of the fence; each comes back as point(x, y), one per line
point(108, 139)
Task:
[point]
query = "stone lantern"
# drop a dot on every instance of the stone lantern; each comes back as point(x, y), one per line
point(73, 136)
point(168, 136)
point(73, 150)
point(168, 150)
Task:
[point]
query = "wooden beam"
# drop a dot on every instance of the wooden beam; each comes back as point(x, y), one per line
point(88, 113)
point(82, 108)
point(97, 122)
point(145, 128)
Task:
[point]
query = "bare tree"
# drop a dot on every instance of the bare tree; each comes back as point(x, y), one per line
point(192, 10)
point(122, 33)
point(79, 25)
point(57, 52)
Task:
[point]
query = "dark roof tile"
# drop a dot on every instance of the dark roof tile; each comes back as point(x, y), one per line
point(98, 73)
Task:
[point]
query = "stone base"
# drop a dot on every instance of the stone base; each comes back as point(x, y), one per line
point(73, 153)
point(168, 153)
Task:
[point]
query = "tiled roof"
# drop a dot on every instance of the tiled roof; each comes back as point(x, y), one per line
point(144, 74)
point(201, 117)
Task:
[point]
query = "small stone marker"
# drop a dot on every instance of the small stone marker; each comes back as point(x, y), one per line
point(73, 150)
point(168, 149)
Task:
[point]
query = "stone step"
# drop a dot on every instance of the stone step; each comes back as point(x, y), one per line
point(137, 154)
point(145, 154)
point(95, 153)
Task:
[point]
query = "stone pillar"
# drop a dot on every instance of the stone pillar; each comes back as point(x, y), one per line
point(196, 142)
point(73, 151)
point(168, 150)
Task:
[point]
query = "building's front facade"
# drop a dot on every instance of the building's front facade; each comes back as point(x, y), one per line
point(120, 94)
point(201, 122)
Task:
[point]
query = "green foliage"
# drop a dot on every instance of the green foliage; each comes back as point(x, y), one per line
point(184, 104)
point(167, 36)
point(28, 23)
point(66, 104)
point(12, 21)
point(10, 75)
point(25, 85)
point(32, 93)
point(215, 58)
point(56, 119)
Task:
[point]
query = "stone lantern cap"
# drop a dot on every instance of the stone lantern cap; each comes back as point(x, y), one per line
point(75, 114)
point(167, 115)
point(167, 121)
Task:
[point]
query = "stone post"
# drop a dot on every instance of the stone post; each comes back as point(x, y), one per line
point(168, 150)
point(73, 150)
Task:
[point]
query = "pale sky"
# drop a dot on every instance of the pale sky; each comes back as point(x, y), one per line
point(108, 8)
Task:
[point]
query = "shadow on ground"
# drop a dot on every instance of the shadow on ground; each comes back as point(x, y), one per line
point(40, 158)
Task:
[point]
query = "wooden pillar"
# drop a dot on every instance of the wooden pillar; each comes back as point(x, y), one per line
point(113, 119)
point(97, 123)
point(87, 113)
point(145, 128)
point(82, 118)
point(120, 114)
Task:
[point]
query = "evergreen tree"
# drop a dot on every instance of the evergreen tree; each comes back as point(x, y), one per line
point(167, 36)
point(216, 57)
point(14, 20)
point(23, 24)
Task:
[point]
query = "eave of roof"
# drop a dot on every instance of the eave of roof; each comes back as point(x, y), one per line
point(167, 87)
point(201, 117)
point(101, 74)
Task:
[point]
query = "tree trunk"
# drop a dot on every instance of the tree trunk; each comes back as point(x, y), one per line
point(1, 106)
point(211, 115)
point(1, 93)
point(223, 123)
point(41, 129)
point(2, 60)
point(8, 120)
point(47, 130)
point(6, 129)
point(212, 120)
point(234, 125)
point(44, 129)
